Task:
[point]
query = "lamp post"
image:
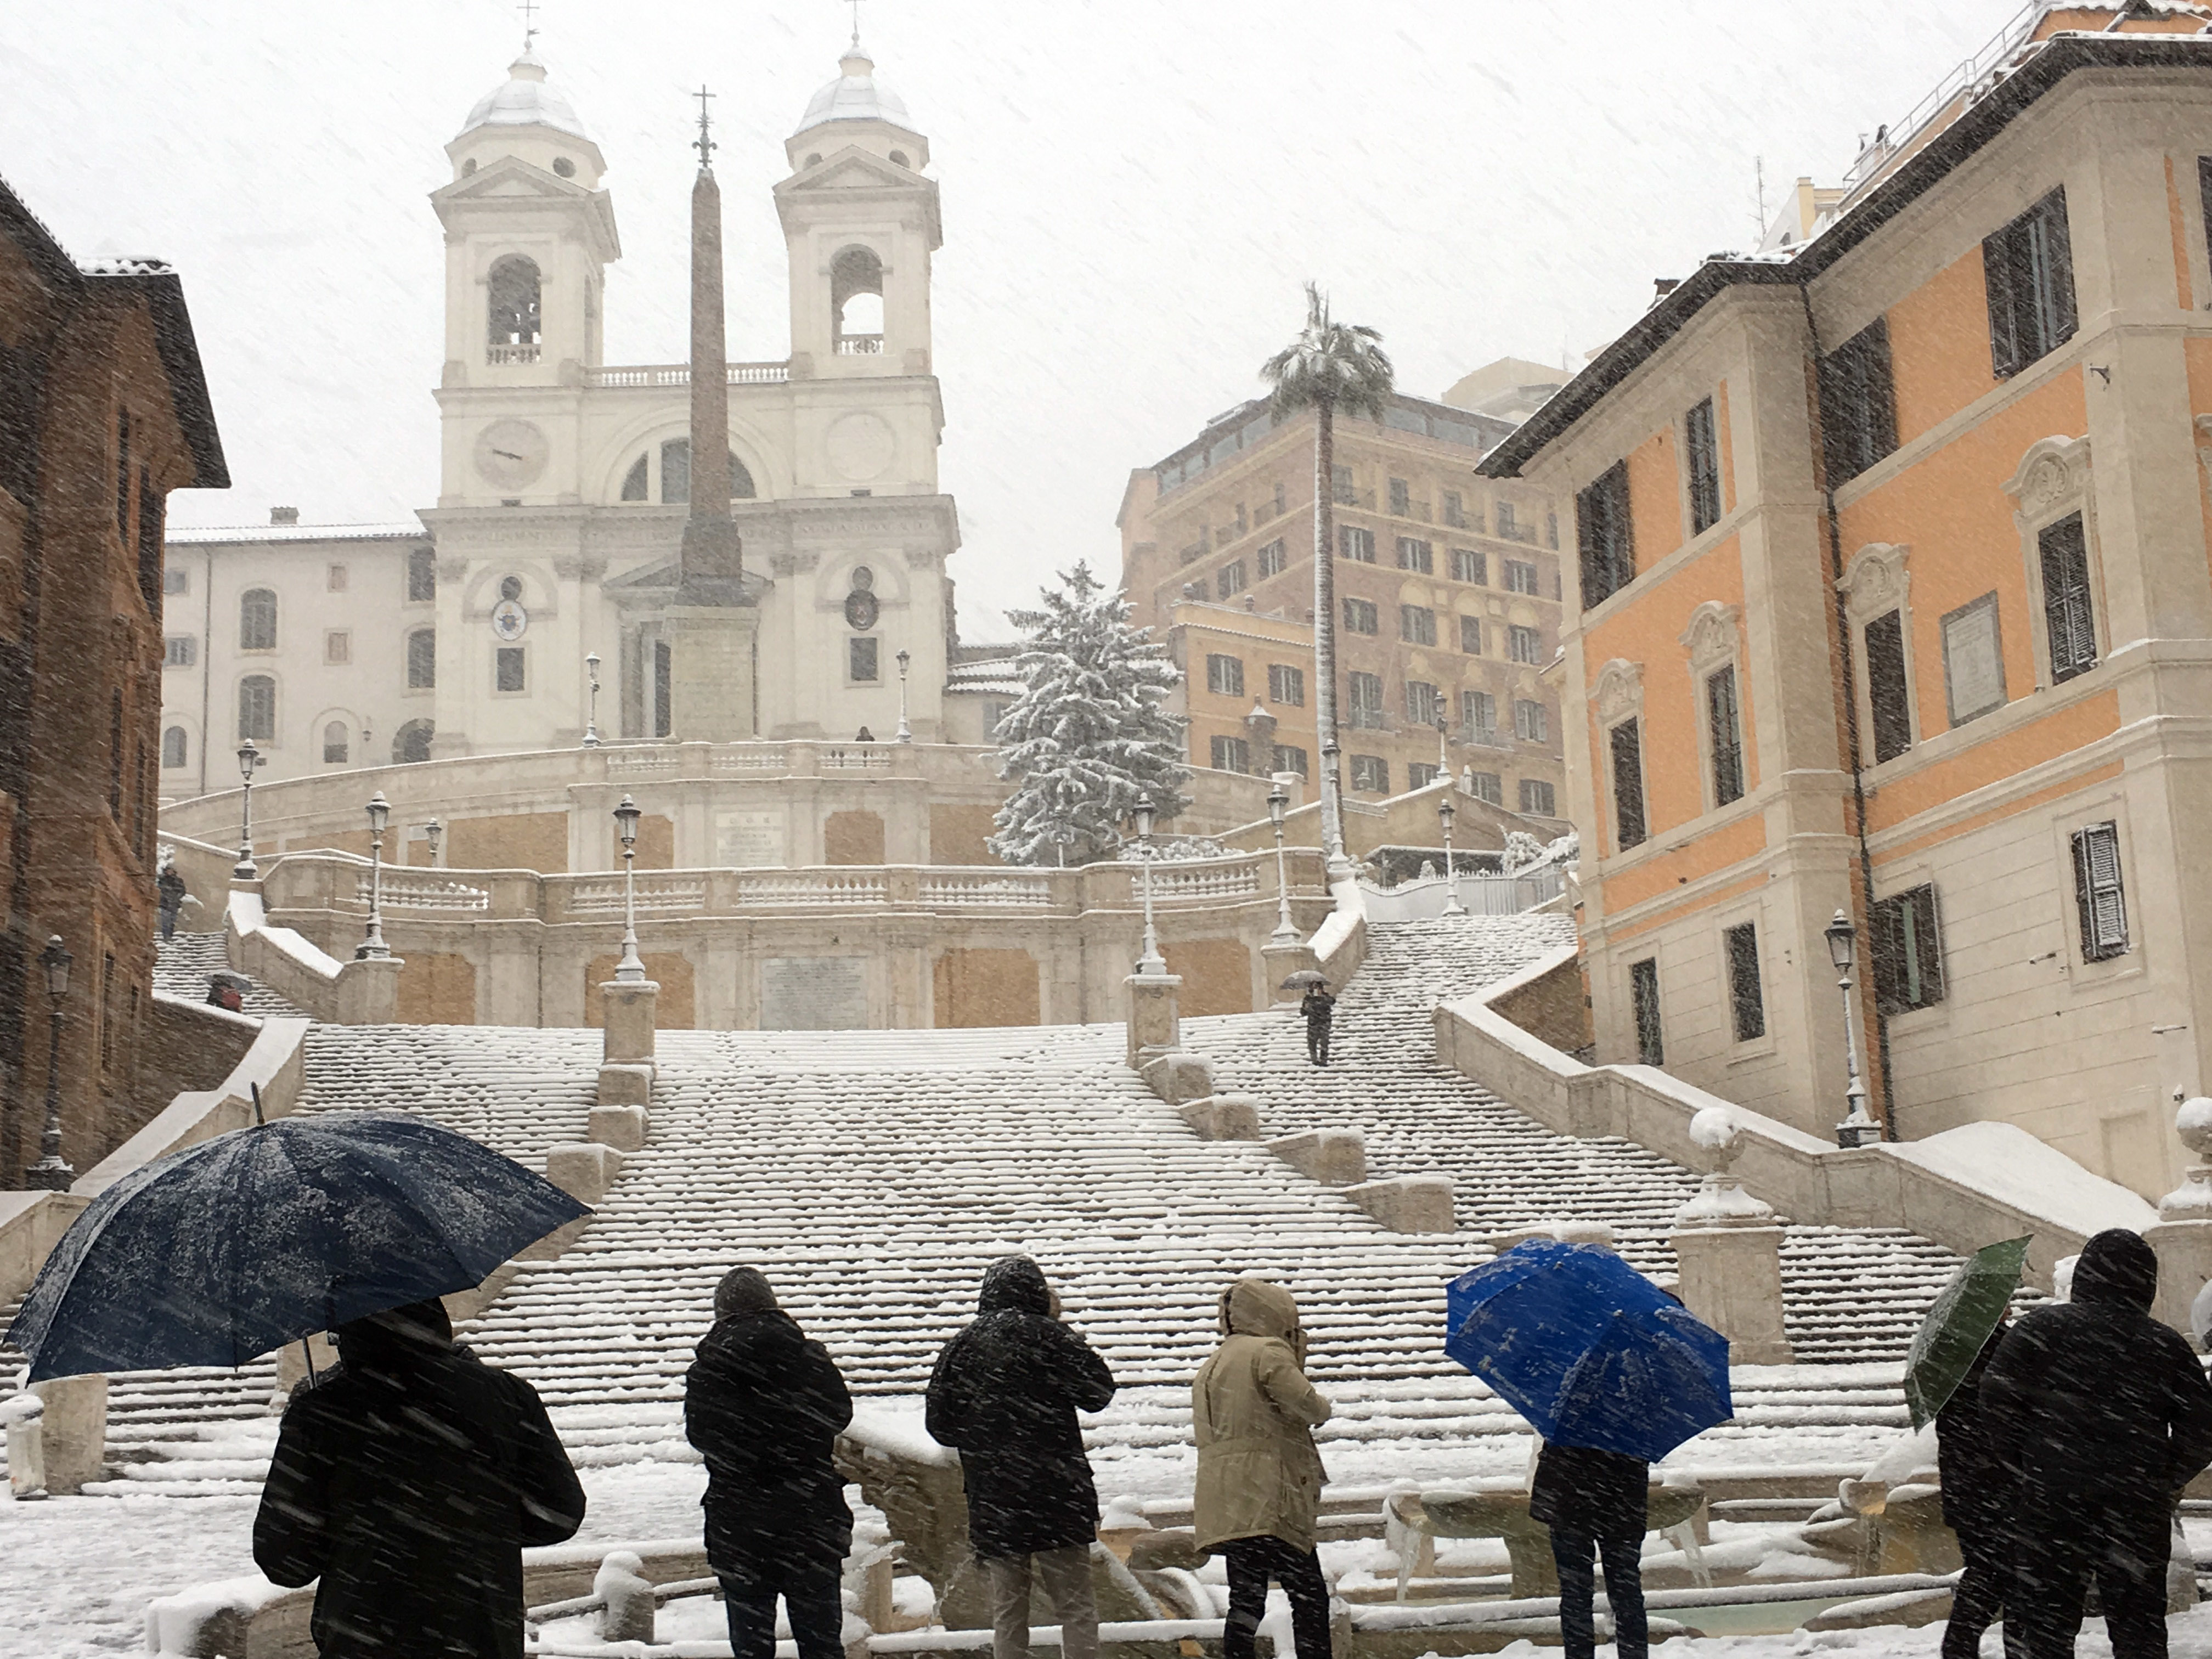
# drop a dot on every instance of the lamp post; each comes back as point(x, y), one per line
point(630, 970)
point(372, 944)
point(248, 758)
point(1444, 754)
point(1332, 812)
point(1278, 805)
point(1857, 1127)
point(50, 1174)
point(591, 720)
point(434, 833)
point(1152, 964)
point(905, 732)
point(1445, 814)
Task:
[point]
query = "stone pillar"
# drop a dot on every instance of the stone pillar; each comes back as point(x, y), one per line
point(1154, 1025)
point(584, 1170)
point(627, 1012)
point(1335, 1157)
point(2182, 1235)
point(73, 1430)
point(623, 1127)
point(1729, 1247)
point(1281, 961)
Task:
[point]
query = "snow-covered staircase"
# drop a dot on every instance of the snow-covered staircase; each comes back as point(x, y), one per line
point(182, 964)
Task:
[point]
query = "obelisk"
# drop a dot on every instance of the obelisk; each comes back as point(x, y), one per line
point(711, 626)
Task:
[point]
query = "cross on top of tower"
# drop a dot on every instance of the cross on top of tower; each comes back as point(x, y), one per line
point(856, 22)
point(529, 10)
point(703, 143)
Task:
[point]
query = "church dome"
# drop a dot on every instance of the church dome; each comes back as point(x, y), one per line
point(855, 96)
point(527, 100)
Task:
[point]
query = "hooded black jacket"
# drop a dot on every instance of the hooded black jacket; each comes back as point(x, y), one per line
point(1582, 1489)
point(2100, 1414)
point(1004, 1394)
point(765, 1404)
point(408, 1480)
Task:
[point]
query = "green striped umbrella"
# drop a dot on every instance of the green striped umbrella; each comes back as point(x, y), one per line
point(1970, 1308)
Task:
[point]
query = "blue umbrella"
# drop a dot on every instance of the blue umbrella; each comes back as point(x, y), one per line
point(1587, 1349)
point(227, 1250)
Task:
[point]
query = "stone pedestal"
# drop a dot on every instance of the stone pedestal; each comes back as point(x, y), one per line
point(27, 1458)
point(1155, 1027)
point(2182, 1235)
point(624, 1087)
point(1408, 1204)
point(710, 688)
point(73, 1431)
point(1223, 1117)
point(1177, 1077)
point(627, 1011)
point(368, 991)
point(623, 1127)
point(585, 1172)
point(629, 1613)
point(1281, 961)
point(1727, 1246)
point(1335, 1157)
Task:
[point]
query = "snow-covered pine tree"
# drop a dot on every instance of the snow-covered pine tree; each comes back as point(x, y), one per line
point(1087, 736)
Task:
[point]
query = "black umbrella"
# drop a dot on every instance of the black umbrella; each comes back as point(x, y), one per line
point(227, 1250)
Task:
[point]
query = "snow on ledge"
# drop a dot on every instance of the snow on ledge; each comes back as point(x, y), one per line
point(2008, 1163)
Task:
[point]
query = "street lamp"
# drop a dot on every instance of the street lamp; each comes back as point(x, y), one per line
point(1278, 805)
point(372, 945)
point(591, 720)
point(248, 758)
point(50, 1174)
point(1332, 812)
point(905, 732)
point(1152, 962)
point(630, 970)
point(1857, 1127)
point(434, 833)
point(1446, 813)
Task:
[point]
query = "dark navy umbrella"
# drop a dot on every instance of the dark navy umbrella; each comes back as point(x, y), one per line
point(227, 1250)
point(1587, 1349)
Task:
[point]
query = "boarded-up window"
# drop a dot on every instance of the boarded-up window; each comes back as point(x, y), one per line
point(672, 1010)
point(985, 987)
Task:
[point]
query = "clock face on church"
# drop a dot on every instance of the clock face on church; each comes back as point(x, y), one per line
point(510, 453)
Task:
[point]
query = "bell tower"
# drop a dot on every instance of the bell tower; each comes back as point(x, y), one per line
point(861, 222)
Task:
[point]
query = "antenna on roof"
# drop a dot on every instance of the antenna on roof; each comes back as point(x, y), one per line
point(1758, 192)
point(529, 10)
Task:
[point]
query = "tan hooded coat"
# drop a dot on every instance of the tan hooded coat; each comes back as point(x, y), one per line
point(1253, 1413)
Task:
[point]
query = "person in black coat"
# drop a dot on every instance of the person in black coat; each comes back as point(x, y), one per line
point(408, 1480)
point(169, 891)
point(1596, 1503)
point(1320, 1009)
point(2102, 1415)
point(1977, 1507)
point(765, 1405)
point(1004, 1394)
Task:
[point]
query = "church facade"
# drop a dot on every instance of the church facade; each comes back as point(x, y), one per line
point(565, 485)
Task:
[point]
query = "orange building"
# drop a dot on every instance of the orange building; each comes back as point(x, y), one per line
point(1894, 592)
point(1448, 589)
point(103, 412)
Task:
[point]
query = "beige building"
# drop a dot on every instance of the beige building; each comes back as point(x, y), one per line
point(1930, 649)
point(564, 484)
point(1447, 587)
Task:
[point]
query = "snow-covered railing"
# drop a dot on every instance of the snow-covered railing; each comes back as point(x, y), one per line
point(1339, 944)
point(1480, 893)
point(354, 992)
point(1964, 1189)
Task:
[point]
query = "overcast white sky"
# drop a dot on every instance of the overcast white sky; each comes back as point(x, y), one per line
point(1134, 192)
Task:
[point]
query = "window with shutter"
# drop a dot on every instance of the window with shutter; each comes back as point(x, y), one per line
point(1606, 540)
point(1487, 785)
point(2027, 269)
point(1726, 730)
point(1627, 743)
point(1643, 993)
point(1858, 403)
point(1703, 452)
point(1747, 998)
point(1907, 952)
point(2098, 892)
point(2068, 617)
point(1886, 686)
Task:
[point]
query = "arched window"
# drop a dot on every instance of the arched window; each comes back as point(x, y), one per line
point(174, 747)
point(676, 474)
point(633, 488)
point(257, 620)
point(413, 743)
point(257, 708)
point(856, 301)
point(335, 746)
point(422, 659)
point(422, 576)
point(513, 303)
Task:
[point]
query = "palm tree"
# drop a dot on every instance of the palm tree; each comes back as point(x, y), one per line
point(1331, 365)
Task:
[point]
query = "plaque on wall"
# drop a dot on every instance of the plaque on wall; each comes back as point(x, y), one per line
point(814, 993)
point(749, 838)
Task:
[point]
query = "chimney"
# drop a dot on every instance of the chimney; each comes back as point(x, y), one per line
point(283, 515)
point(1663, 286)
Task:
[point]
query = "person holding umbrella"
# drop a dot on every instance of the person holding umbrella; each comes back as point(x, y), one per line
point(1320, 1009)
point(407, 1481)
point(1596, 1503)
point(1253, 1414)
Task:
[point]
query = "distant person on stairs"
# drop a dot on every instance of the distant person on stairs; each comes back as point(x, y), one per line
point(1320, 1009)
point(409, 1480)
point(1260, 1477)
point(1004, 1394)
point(765, 1405)
point(169, 892)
